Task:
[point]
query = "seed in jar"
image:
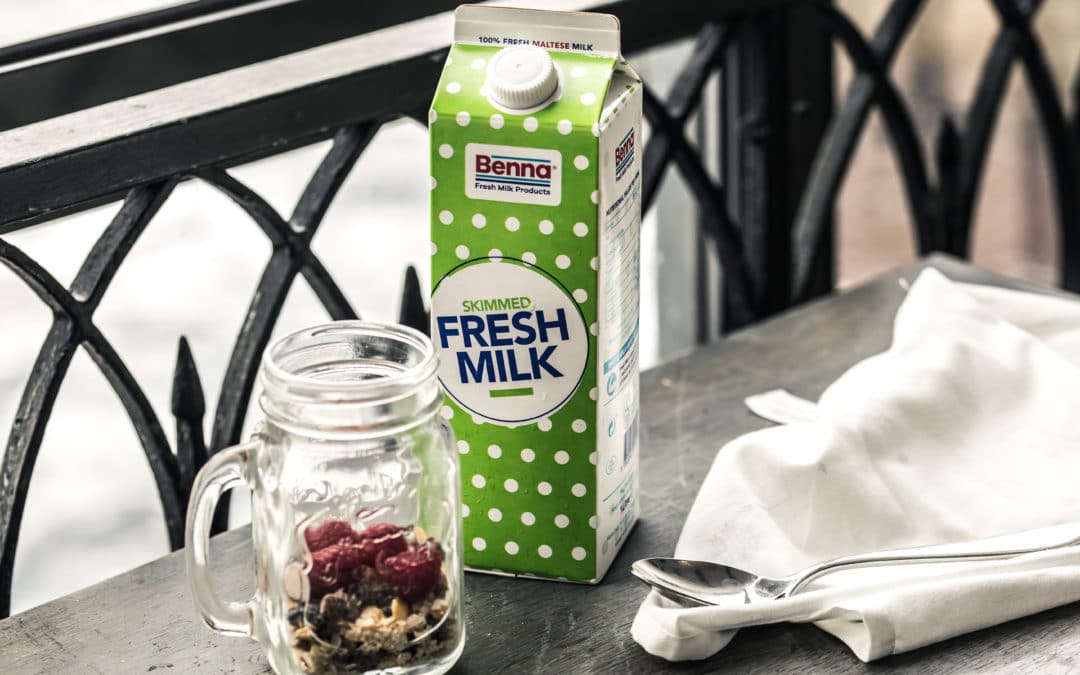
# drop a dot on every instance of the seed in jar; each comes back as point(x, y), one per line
point(370, 616)
point(439, 607)
point(296, 582)
point(399, 609)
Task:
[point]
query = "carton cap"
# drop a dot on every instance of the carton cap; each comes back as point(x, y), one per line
point(521, 77)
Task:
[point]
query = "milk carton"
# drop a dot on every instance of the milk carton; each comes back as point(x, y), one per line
point(535, 212)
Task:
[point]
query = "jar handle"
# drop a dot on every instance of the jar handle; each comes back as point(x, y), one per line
point(222, 472)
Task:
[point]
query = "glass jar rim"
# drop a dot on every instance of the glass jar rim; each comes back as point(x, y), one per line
point(362, 390)
point(394, 389)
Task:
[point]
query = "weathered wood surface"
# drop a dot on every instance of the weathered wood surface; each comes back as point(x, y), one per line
point(142, 621)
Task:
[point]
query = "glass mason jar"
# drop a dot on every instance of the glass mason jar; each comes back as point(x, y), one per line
point(355, 508)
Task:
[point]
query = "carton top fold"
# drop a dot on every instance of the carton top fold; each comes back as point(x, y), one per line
point(582, 32)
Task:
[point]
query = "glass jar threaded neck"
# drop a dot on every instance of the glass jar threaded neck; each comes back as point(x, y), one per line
point(350, 378)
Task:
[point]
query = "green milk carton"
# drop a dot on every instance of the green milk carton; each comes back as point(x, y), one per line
point(535, 214)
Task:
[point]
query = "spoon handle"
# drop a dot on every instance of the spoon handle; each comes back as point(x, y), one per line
point(910, 556)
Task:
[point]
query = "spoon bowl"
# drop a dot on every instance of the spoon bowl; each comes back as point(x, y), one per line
point(700, 582)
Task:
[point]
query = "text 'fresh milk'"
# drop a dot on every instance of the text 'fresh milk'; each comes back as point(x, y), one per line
point(535, 212)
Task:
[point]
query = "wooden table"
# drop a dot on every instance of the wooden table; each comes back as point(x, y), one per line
point(142, 621)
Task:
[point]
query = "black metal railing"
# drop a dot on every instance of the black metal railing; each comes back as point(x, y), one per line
point(767, 213)
point(942, 213)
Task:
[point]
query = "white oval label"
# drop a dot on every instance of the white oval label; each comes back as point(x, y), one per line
point(512, 342)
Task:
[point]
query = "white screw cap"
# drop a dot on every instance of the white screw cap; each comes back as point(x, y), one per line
point(521, 77)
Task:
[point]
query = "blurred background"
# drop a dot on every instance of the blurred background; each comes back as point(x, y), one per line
point(93, 508)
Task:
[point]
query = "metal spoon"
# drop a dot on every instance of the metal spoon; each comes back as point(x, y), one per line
point(701, 582)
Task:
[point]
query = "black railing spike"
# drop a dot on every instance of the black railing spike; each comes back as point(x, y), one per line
point(1074, 91)
point(948, 147)
point(413, 313)
point(947, 144)
point(187, 395)
point(189, 409)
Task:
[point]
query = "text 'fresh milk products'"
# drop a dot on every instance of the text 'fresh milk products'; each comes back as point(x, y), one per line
point(535, 213)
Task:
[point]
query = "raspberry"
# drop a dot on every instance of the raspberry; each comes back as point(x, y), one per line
point(329, 532)
point(413, 572)
point(332, 567)
point(339, 553)
point(379, 538)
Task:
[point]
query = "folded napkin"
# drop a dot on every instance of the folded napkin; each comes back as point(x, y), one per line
point(967, 428)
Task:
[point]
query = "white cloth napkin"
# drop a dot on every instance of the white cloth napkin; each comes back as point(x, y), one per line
point(967, 428)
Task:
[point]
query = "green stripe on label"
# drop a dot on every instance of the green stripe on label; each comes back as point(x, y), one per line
point(506, 393)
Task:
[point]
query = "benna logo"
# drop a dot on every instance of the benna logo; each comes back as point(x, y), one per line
point(624, 154)
point(510, 170)
point(504, 173)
